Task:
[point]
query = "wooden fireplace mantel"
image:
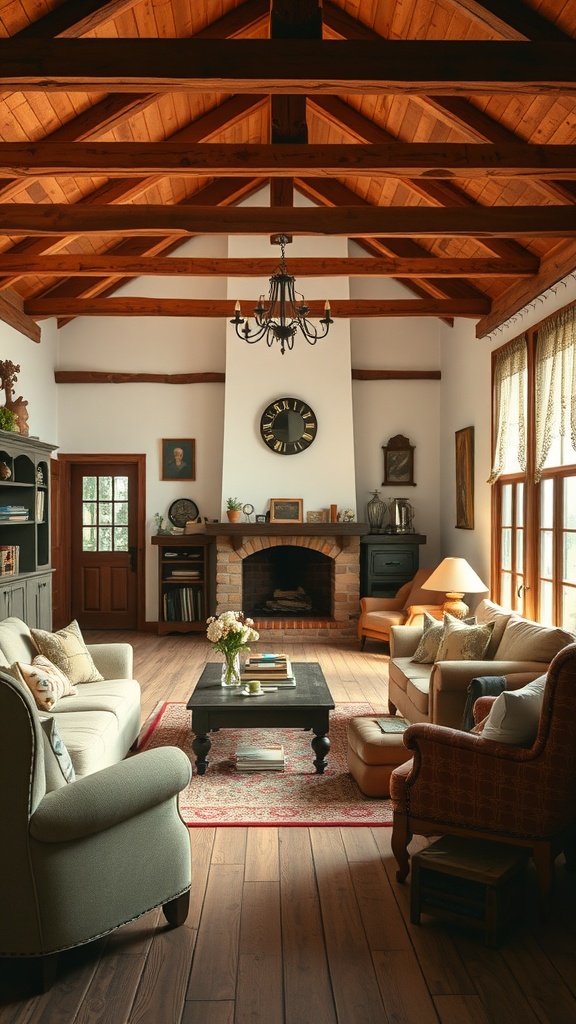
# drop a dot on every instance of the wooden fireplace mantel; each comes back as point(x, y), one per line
point(236, 531)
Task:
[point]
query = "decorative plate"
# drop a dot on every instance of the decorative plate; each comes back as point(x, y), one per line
point(181, 511)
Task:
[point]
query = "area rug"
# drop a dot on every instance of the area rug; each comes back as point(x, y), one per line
point(294, 796)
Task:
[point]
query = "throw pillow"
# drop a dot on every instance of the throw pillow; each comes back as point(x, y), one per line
point(57, 762)
point(66, 649)
point(524, 640)
point(515, 714)
point(463, 642)
point(432, 633)
point(45, 681)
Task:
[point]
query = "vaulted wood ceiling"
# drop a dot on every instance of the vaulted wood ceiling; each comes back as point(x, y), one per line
point(438, 134)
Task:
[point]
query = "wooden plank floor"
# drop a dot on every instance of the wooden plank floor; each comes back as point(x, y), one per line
point(301, 926)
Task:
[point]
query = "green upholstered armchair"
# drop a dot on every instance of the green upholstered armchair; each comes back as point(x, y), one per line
point(81, 859)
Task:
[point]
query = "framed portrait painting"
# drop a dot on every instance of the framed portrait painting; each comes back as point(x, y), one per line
point(178, 458)
point(286, 510)
point(465, 479)
point(398, 462)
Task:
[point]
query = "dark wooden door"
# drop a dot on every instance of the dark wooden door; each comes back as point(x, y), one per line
point(104, 548)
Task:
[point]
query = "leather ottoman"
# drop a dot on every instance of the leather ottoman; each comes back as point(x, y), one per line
point(373, 755)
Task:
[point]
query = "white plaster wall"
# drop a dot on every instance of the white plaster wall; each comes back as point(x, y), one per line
point(36, 377)
point(384, 408)
point(133, 418)
point(320, 375)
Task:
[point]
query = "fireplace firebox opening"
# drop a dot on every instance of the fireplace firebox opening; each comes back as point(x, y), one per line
point(287, 581)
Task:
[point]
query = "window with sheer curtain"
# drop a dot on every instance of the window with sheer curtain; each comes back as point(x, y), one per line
point(534, 472)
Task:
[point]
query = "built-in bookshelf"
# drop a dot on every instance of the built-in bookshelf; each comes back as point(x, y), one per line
point(184, 566)
point(25, 570)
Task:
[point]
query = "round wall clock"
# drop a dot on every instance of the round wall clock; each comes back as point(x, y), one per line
point(288, 426)
point(181, 511)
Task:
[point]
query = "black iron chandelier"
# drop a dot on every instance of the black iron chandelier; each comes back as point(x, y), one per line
point(285, 312)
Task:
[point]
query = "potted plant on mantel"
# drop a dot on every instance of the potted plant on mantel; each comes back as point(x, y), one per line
point(233, 509)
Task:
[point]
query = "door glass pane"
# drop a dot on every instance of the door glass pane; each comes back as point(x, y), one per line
point(121, 538)
point(121, 513)
point(105, 488)
point(546, 603)
point(507, 505)
point(506, 590)
point(506, 549)
point(89, 488)
point(546, 556)
point(569, 561)
point(519, 505)
point(105, 538)
point(105, 512)
point(570, 503)
point(520, 551)
point(120, 488)
point(547, 504)
point(89, 512)
point(89, 539)
point(569, 609)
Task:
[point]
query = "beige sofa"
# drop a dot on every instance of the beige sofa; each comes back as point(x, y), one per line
point(519, 649)
point(98, 724)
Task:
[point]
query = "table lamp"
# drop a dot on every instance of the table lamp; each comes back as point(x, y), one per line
point(455, 577)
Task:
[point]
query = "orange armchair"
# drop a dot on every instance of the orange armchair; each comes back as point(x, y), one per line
point(459, 783)
point(378, 614)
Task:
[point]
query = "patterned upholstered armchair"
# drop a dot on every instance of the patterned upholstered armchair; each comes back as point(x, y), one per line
point(460, 783)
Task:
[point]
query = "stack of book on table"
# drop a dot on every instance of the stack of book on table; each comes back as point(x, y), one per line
point(251, 759)
point(273, 670)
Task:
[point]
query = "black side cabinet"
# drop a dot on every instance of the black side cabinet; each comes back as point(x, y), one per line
point(387, 561)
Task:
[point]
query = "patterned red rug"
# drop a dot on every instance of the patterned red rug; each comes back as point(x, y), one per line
point(295, 796)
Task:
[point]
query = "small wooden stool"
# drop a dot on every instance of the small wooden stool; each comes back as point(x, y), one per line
point(468, 881)
point(373, 755)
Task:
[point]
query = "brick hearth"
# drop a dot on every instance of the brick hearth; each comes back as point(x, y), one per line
point(339, 541)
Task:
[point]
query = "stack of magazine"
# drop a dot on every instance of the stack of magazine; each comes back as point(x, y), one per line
point(253, 759)
point(273, 670)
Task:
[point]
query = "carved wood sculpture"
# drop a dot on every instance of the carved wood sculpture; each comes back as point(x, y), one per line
point(19, 406)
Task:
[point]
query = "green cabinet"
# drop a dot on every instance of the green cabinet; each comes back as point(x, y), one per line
point(387, 561)
point(25, 571)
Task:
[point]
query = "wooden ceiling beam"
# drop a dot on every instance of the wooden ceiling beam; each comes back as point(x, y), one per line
point(46, 306)
point(511, 20)
point(352, 221)
point(75, 18)
point(12, 313)
point(558, 264)
point(281, 158)
point(405, 67)
point(321, 266)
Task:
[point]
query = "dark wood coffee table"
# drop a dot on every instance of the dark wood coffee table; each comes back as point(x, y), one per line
point(305, 706)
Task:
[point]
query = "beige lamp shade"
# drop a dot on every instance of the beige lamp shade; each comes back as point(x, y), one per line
point(455, 577)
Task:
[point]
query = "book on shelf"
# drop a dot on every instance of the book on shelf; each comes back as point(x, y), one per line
point(268, 758)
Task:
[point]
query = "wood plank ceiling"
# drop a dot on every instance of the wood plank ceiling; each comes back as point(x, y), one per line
point(438, 134)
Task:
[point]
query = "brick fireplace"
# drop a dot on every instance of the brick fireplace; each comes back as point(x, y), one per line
point(335, 545)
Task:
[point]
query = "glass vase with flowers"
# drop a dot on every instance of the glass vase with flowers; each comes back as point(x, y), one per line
point(230, 633)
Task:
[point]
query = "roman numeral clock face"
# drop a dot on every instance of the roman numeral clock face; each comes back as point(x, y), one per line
point(288, 426)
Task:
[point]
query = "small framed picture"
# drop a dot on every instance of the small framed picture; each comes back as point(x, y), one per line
point(321, 516)
point(178, 458)
point(286, 510)
point(398, 462)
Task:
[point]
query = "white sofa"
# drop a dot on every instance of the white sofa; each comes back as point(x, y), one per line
point(519, 649)
point(98, 724)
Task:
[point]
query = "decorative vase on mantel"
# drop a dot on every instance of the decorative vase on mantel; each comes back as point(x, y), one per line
point(231, 670)
point(234, 515)
point(375, 511)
